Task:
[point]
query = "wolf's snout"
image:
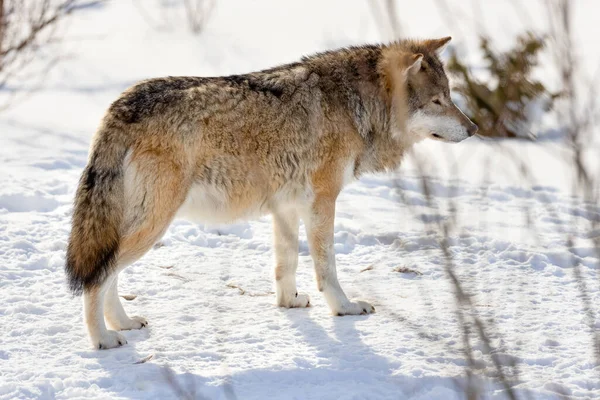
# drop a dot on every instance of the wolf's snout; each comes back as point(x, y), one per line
point(472, 129)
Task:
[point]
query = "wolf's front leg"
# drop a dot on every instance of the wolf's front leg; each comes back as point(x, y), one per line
point(319, 223)
point(285, 232)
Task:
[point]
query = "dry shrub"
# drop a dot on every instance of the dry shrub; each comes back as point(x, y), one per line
point(196, 13)
point(28, 31)
point(502, 105)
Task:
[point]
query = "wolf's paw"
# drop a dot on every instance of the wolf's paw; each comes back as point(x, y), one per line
point(128, 324)
point(134, 322)
point(356, 307)
point(109, 340)
point(299, 301)
point(138, 322)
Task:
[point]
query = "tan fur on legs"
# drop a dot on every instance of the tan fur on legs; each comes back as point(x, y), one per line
point(319, 228)
point(319, 221)
point(155, 187)
point(285, 238)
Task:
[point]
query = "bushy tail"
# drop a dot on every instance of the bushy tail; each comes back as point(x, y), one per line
point(97, 215)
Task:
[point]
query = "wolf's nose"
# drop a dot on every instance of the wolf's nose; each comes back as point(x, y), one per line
point(472, 129)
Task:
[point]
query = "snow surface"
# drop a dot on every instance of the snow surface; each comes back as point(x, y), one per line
point(207, 290)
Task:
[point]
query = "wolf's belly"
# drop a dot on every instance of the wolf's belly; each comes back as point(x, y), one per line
point(207, 203)
point(210, 204)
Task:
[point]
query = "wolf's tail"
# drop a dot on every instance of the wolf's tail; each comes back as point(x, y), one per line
point(98, 211)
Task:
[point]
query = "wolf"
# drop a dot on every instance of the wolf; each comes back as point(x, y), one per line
point(282, 141)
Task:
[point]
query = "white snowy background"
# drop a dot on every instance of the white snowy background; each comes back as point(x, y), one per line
point(208, 338)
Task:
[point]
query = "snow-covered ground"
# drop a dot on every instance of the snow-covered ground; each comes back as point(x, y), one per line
point(207, 290)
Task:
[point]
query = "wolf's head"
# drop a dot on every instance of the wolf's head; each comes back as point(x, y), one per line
point(421, 95)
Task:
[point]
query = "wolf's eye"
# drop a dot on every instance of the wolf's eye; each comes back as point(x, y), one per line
point(436, 101)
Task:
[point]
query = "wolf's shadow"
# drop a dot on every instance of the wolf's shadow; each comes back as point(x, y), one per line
point(342, 366)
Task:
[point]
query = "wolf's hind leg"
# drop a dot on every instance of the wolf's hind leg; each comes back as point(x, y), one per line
point(285, 232)
point(114, 313)
point(93, 305)
point(155, 187)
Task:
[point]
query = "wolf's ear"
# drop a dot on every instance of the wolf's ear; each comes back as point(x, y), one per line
point(413, 64)
point(438, 45)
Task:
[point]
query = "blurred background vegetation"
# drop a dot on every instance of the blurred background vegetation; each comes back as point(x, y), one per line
point(502, 105)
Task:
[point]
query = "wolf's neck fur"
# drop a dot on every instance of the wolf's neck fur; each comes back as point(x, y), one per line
point(364, 85)
point(387, 142)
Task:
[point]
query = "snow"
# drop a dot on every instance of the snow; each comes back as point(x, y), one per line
point(207, 290)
